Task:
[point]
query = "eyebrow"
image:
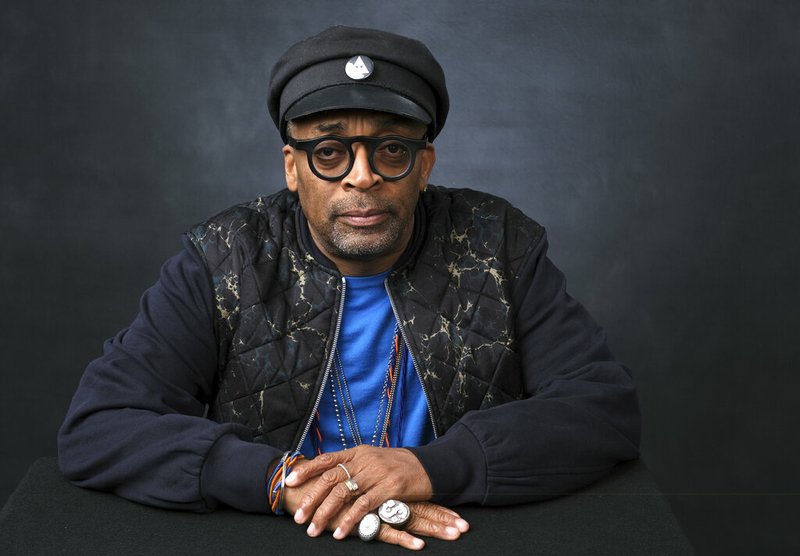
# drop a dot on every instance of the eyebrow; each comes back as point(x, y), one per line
point(329, 127)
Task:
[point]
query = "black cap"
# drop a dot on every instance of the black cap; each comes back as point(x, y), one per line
point(347, 67)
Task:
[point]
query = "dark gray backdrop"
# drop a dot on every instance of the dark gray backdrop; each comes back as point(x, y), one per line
point(657, 141)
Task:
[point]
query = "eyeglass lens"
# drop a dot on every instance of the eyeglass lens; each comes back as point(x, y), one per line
point(389, 158)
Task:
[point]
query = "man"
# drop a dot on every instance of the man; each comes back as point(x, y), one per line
point(358, 341)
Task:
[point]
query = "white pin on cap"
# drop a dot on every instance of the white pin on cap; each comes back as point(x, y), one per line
point(359, 67)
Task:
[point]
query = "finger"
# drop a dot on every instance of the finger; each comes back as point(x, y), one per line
point(451, 512)
point(318, 492)
point(390, 535)
point(440, 514)
point(307, 469)
point(361, 506)
point(298, 475)
point(338, 497)
point(429, 520)
point(432, 527)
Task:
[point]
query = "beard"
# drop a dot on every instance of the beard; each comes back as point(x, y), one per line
point(364, 243)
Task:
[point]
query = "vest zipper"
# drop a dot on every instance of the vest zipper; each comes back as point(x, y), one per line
point(328, 366)
point(413, 359)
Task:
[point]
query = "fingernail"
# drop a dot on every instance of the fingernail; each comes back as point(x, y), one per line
point(312, 530)
point(417, 543)
point(299, 515)
point(291, 478)
point(462, 525)
point(452, 531)
point(338, 535)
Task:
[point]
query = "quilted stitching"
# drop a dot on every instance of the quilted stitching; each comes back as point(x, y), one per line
point(276, 309)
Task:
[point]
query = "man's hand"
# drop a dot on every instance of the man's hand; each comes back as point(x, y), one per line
point(381, 474)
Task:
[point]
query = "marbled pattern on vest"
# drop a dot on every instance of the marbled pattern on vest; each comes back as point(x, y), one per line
point(277, 308)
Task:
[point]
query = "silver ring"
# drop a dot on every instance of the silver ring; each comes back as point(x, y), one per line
point(395, 513)
point(352, 486)
point(369, 527)
point(346, 472)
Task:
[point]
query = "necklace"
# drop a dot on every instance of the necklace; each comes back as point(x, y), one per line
point(344, 408)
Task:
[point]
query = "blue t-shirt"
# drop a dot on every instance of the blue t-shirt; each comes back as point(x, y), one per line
point(364, 349)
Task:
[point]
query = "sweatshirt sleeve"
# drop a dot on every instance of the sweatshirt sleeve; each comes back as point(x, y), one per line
point(580, 416)
point(136, 425)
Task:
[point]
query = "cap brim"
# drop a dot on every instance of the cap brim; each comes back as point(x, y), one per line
point(357, 96)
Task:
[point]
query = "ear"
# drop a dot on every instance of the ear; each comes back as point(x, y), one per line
point(290, 168)
point(427, 162)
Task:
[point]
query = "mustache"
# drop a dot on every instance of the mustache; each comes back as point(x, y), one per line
point(346, 205)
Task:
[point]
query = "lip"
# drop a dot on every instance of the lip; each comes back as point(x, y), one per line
point(363, 218)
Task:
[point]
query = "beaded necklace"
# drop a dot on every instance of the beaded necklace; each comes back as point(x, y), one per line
point(343, 402)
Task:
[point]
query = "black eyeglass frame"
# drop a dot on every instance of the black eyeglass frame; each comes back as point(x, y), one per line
point(308, 146)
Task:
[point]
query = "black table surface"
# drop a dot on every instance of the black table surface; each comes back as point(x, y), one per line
point(622, 514)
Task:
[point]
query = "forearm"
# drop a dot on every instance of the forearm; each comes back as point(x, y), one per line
point(170, 461)
point(136, 424)
point(536, 448)
point(580, 417)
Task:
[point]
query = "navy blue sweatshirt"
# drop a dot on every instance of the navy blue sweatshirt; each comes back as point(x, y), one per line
point(137, 424)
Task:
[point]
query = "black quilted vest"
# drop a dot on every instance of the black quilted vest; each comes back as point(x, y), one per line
point(277, 308)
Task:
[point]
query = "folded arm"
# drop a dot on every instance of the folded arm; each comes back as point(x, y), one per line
point(136, 424)
point(579, 419)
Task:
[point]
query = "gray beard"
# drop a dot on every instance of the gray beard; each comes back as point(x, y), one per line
point(347, 243)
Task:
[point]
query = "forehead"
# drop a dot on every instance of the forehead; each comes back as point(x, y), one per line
point(355, 122)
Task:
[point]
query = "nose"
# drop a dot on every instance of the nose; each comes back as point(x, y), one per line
point(361, 175)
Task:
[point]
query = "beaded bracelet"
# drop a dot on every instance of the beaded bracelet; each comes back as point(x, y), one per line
point(275, 491)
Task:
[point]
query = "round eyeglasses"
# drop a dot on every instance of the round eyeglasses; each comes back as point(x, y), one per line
point(331, 158)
